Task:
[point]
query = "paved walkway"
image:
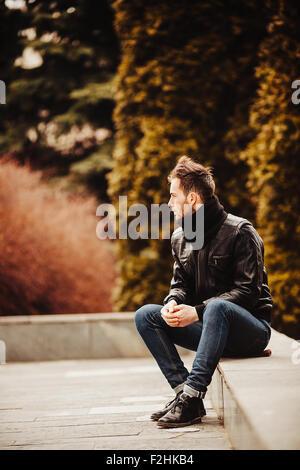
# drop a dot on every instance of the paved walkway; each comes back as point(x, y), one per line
point(94, 404)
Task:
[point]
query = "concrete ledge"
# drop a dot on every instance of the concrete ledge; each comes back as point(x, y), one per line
point(258, 398)
point(74, 336)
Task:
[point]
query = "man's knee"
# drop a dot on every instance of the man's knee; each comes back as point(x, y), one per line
point(217, 306)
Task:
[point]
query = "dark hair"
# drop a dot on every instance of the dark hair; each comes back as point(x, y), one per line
point(193, 176)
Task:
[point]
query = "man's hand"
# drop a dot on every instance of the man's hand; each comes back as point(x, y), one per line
point(179, 315)
point(185, 314)
point(167, 312)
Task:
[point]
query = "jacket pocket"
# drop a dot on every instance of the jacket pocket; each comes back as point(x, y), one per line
point(220, 273)
point(219, 261)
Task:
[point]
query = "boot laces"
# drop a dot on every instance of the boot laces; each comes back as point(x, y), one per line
point(173, 400)
point(181, 403)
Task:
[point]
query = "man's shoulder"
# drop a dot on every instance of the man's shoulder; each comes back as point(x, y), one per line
point(236, 222)
point(241, 227)
point(232, 226)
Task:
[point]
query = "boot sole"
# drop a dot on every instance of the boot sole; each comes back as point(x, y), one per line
point(156, 418)
point(179, 425)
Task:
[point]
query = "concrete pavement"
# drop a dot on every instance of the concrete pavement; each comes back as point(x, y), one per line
point(94, 404)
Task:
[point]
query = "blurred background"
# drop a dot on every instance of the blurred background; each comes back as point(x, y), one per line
point(102, 97)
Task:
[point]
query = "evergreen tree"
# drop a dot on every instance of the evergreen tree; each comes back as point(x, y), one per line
point(59, 112)
point(273, 157)
point(11, 22)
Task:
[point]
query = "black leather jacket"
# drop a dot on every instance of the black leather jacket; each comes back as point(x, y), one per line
point(230, 267)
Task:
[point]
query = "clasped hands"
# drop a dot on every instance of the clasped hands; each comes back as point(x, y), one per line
point(178, 315)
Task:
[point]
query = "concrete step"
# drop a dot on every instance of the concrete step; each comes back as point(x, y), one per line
point(72, 336)
point(258, 398)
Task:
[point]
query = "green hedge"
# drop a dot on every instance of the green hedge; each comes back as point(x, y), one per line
point(273, 157)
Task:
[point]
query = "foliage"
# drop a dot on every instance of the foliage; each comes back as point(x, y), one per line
point(66, 83)
point(51, 260)
point(273, 157)
point(212, 81)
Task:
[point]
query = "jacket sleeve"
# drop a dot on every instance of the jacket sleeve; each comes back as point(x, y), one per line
point(180, 288)
point(248, 270)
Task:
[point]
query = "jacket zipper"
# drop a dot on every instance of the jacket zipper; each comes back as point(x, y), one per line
point(203, 270)
point(201, 273)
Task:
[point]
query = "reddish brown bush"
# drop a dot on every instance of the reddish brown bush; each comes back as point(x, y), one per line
point(50, 258)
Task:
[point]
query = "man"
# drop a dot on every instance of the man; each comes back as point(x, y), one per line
point(219, 301)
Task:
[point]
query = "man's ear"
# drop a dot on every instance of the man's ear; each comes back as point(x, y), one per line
point(192, 198)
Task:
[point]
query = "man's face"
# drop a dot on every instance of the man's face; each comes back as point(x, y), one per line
point(177, 199)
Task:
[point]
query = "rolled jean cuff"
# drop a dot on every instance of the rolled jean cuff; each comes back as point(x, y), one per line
point(191, 391)
point(178, 388)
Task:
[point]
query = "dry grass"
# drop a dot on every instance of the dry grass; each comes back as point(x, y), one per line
point(50, 258)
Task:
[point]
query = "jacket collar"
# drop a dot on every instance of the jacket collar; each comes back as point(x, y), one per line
point(214, 216)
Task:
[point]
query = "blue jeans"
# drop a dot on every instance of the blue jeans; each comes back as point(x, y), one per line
point(226, 330)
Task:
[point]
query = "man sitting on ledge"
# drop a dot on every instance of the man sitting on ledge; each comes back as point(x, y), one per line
point(219, 301)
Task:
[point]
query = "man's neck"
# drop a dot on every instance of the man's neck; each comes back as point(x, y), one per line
point(197, 206)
